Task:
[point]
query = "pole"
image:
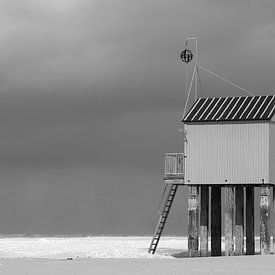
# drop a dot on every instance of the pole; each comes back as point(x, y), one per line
point(204, 221)
point(193, 221)
point(239, 220)
point(216, 221)
point(196, 68)
point(250, 238)
point(265, 220)
point(229, 220)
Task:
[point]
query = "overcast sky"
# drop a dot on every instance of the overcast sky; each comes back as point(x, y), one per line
point(91, 97)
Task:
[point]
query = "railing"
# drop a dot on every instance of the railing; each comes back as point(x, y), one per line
point(174, 166)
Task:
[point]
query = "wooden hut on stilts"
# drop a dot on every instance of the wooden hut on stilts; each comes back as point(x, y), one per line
point(229, 150)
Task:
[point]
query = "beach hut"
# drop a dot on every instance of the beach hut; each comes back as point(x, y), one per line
point(229, 150)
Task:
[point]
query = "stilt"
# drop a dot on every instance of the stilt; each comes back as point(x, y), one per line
point(273, 229)
point(204, 221)
point(250, 238)
point(239, 227)
point(265, 220)
point(193, 221)
point(229, 220)
point(215, 221)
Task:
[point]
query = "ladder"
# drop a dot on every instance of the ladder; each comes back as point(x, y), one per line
point(163, 217)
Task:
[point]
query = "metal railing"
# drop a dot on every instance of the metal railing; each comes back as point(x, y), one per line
point(174, 165)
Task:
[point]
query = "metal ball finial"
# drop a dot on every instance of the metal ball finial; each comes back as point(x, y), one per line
point(186, 55)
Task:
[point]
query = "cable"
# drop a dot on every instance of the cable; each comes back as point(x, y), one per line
point(229, 82)
point(186, 83)
point(200, 81)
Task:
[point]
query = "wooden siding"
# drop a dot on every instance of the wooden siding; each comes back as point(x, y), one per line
point(174, 166)
point(227, 153)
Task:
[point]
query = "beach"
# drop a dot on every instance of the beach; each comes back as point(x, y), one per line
point(196, 266)
point(118, 255)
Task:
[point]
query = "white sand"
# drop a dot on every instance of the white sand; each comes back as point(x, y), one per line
point(117, 255)
point(91, 247)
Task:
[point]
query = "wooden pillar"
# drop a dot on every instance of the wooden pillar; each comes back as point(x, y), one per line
point(239, 220)
point(250, 238)
point(193, 221)
point(216, 221)
point(265, 220)
point(229, 220)
point(204, 221)
point(273, 229)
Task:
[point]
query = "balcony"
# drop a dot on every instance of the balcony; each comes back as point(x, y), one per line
point(174, 168)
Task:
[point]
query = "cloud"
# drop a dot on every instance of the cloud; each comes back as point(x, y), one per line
point(100, 84)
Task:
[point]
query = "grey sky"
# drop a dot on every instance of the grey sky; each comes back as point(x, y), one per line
point(91, 96)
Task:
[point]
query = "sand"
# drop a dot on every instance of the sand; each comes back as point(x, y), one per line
point(218, 265)
point(118, 255)
point(88, 247)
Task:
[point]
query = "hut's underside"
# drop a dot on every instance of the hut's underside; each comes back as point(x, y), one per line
point(205, 219)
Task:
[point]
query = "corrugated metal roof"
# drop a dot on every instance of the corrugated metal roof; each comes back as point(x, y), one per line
point(232, 109)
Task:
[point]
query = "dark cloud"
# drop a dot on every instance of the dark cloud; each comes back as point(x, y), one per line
point(91, 95)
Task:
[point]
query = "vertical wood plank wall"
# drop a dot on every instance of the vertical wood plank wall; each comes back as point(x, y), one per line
point(215, 153)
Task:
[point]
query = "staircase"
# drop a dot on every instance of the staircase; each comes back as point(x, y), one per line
point(163, 217)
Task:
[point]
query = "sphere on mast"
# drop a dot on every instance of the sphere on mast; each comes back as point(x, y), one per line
point(186, 55)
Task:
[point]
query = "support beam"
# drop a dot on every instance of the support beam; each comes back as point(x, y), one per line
point(250, 237)
point(216, 221)
point(204, 221)
point(265, 220)
point(193, 221)
point(273, 207)
point(229, 220)
point(239, 220)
